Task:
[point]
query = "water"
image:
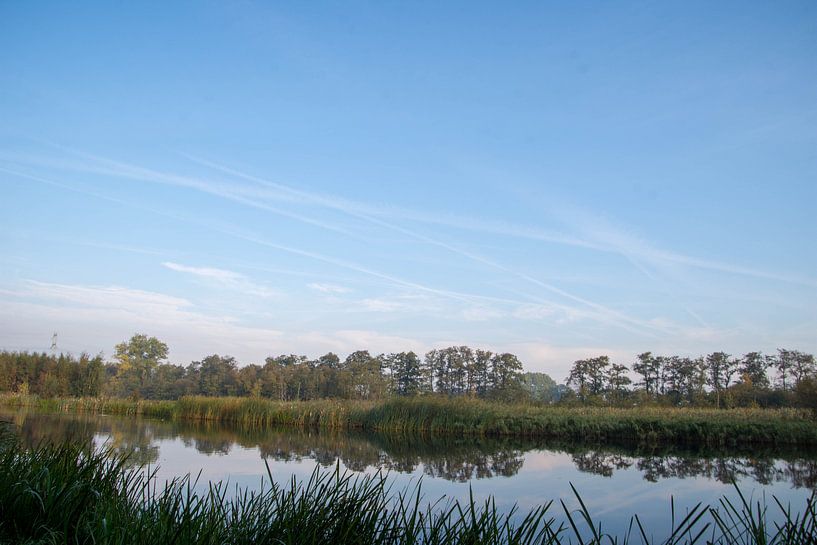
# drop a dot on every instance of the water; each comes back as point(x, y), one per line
point(614, 483)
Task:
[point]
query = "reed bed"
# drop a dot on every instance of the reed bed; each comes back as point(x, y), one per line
point(69, 494)
point(471, 417)
point(711, 427)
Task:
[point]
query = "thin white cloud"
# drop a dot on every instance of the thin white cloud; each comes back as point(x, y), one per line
point(602, 233)
point(634, 249)
point(609, 316)
point(94, 318)
point(399, 303)
point(225, 279)
point(534, 312)
point(482, 314)
point(596, 312)
point(605, 239)
point(328, 288)
point(127, 299)
point(204, 272)
point(380, 305)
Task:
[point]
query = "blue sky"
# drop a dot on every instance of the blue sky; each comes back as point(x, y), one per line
point(556, 181)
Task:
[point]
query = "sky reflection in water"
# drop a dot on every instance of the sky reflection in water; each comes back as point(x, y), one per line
point(615, 482)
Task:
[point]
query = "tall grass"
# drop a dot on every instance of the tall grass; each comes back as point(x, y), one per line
point(67, 494)
point(471, 417)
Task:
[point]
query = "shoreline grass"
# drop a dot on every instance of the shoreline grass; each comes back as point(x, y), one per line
point(67, 494)
point(468, 417)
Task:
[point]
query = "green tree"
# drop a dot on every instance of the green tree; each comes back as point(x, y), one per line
point(540, 387)
point(784, 361)
point(753, 368)
point(91, 376)
point(137, 359)
point(366, 379)
point(618, 380)
point(217, 375)
point(408, 373)
point(506, 370)
point(649, 367)
point(802, 366)
point(482, 372)
point(589, 376)
point(720, 367)
point(806, 393)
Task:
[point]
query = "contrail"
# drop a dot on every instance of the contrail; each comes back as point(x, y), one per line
point(341, 207)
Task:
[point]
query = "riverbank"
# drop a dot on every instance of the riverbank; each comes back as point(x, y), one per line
point(469, 417)
point(67, 494)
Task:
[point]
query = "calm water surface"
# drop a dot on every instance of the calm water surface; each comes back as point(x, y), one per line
point(615, 483)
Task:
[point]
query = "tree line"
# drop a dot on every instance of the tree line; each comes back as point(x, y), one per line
point(717, 379)
point(140, 370)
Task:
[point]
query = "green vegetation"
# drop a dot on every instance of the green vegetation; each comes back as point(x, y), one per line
point(471, 417)
point(718, 380)
point(140, 370)
point(67, 494)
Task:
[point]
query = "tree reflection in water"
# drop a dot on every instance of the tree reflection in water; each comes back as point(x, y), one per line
point(134, 436)
point(460, 459)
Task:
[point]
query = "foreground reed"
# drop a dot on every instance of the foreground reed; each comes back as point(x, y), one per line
point(464, 417)
point(67, 494)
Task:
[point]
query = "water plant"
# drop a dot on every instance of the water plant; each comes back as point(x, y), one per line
point(470, 417)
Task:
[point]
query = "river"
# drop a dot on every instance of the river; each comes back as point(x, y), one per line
point(615, 483)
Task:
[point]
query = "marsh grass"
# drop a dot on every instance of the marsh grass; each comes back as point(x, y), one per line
point(470, 417)
point(69, 494)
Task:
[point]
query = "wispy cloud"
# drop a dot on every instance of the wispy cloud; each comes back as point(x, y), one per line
point(564, 304)
point(328, 288)
point(35, 309)
point(409, 303)
point(113, 313)
point(587, 232)
point(609, 316)
point(606, 239)
point(482, 314)
point(603, 233)
point(225, 279)
point(591, 311)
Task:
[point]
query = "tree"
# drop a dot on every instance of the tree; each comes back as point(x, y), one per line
point(407, 372)
point(91, 374)
point(649, 368)
point(589, 376)
point(249, 380)
point(579, 378)
point(507, 376)
point(721, 367)
point(617, 380)
point(137, 359)
point(540, 387)
point(437, 363)
point(482, 371)
point(803, 367)
point(366, 379)
point(784, 361)
point(217, 376)
point(753, 368)
point(806, 393)
point(685, 377)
